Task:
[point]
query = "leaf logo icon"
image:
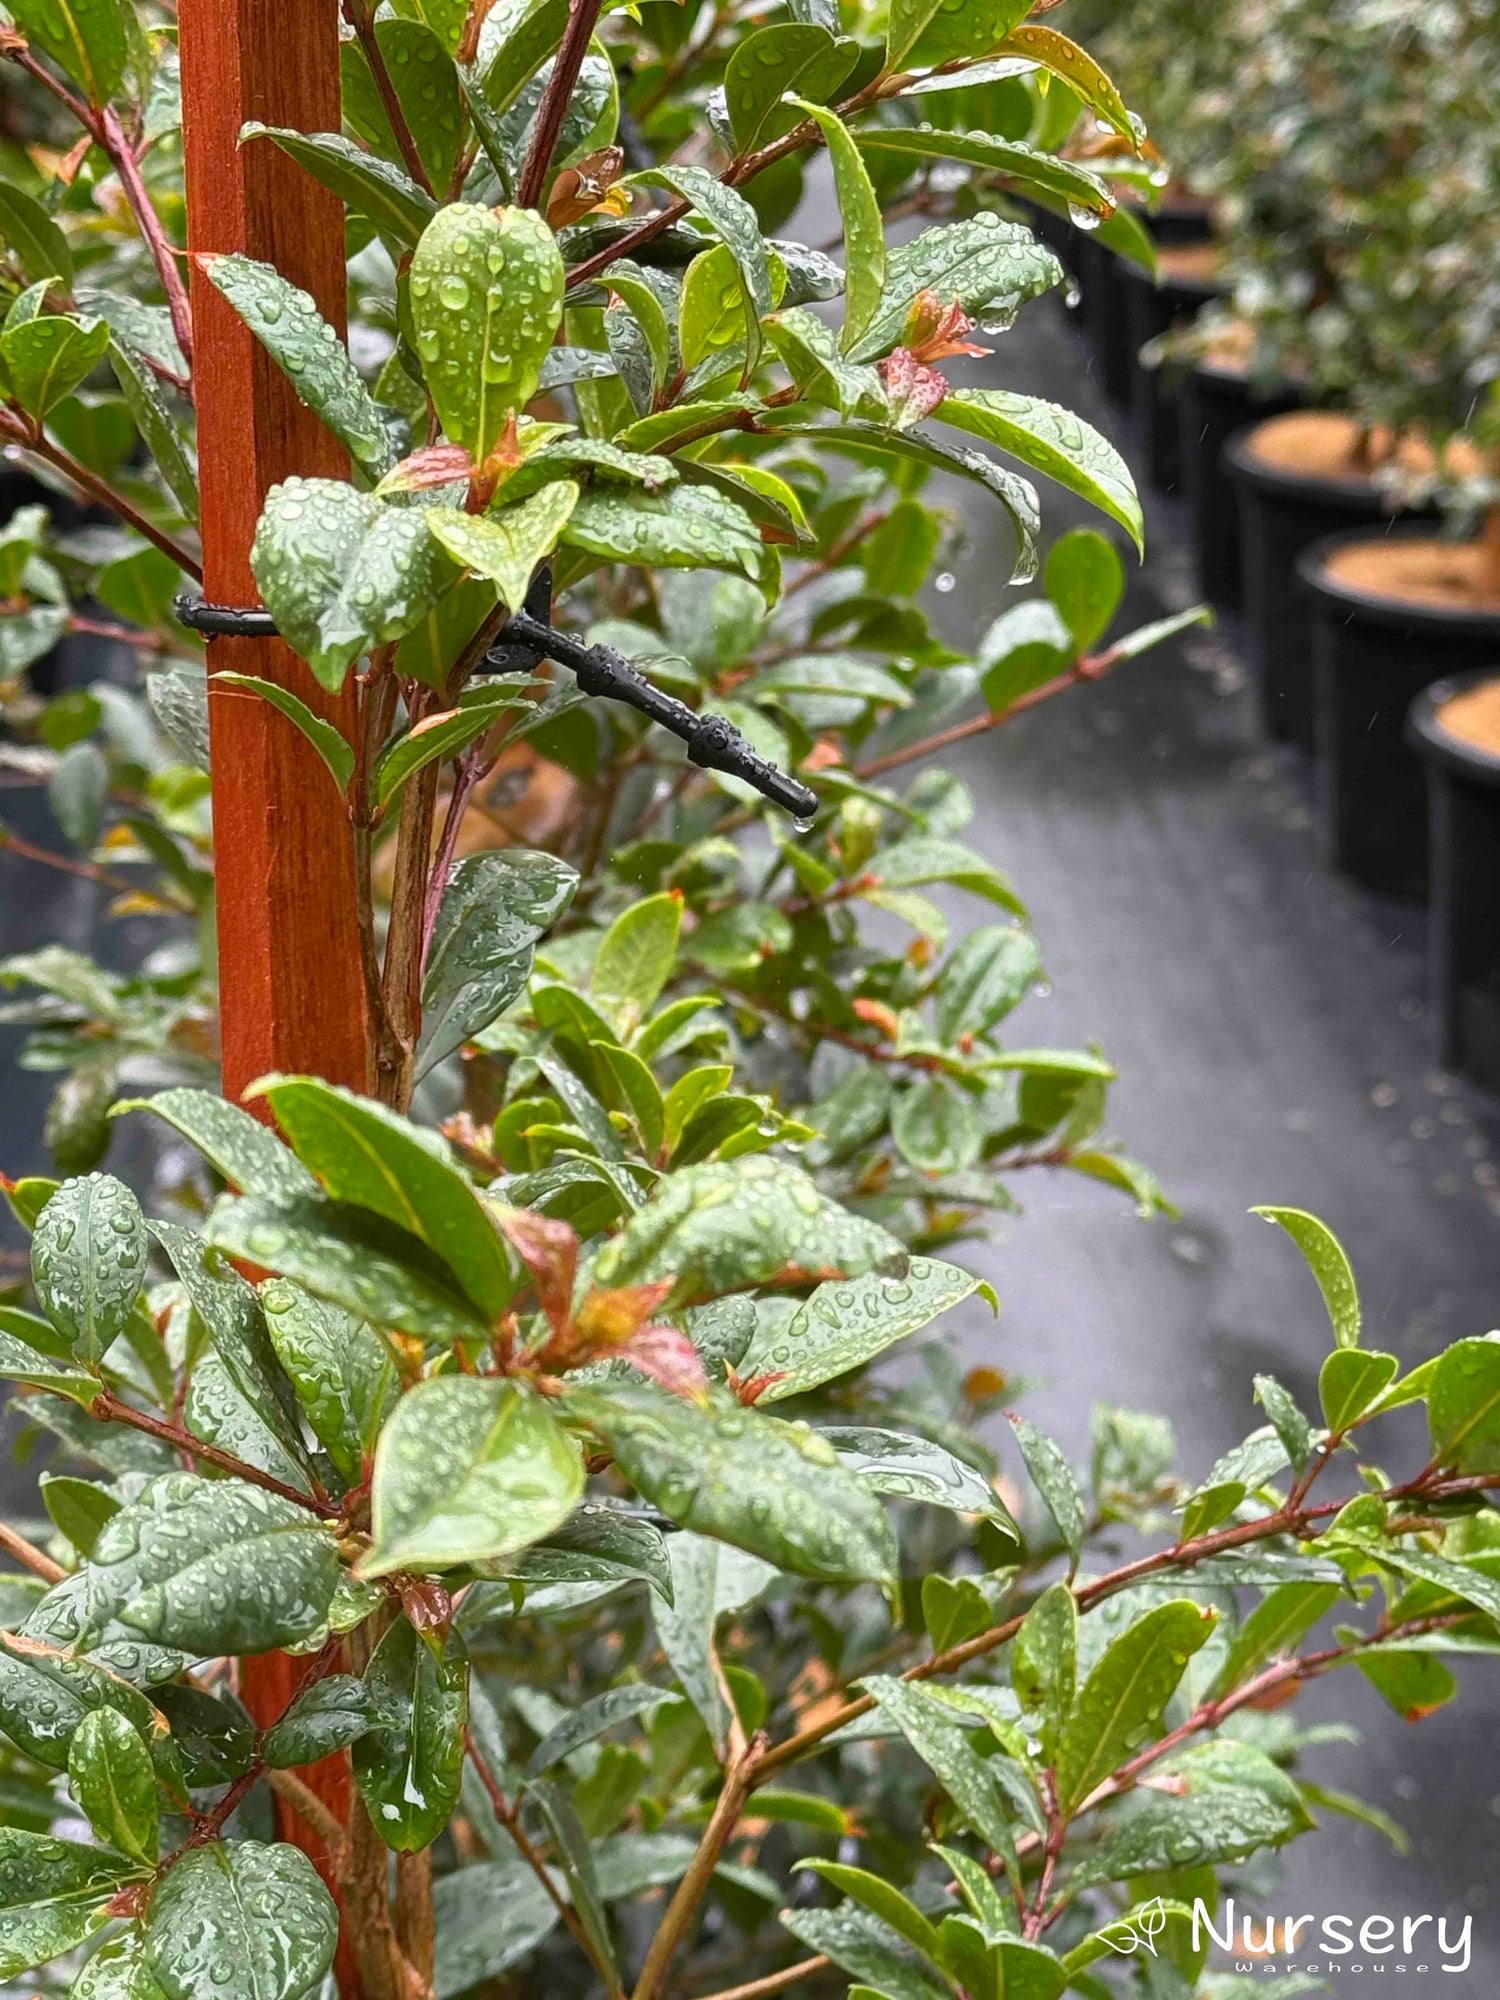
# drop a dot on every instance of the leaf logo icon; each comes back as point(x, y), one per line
point(1138, 1931)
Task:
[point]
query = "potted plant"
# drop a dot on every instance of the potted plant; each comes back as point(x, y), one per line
point(434, 1583)
point(1455, 730)
point(1366, 279)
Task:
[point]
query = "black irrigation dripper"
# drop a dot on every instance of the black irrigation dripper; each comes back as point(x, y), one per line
point(528, 638)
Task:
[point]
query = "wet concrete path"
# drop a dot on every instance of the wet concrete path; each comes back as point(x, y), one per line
point(1270, 1030)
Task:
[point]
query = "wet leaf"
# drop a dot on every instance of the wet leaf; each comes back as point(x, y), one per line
point(213, 1566)
point(987, 266)
point(1122, 1700)
point(242, 1920)
point(1049, 439)
point(506, 547)
point(287, 323)
point(1463, 1406)
point(390, 198)
point(772, 1488)
point(1350, 1380)
point(719, 1228)
point(691, 527)
point(370, 1157)
point(88, 1262)
point(635, 960)
point(1329, 1263)
point(788, 55)
point(914, 1468)
point(342, 1370)
point(239, 1147)
point(933, 1732)
point(584, 1725)
point(494, 911)
point(111, 1776)
point(863, 223)
point(408, 1766)
point(489, 1918)
point(1054, 1479)
point(43, 360)
point(351, 1258)
point(468, 1470)
point(334, 1713)
point(53, 1894)
point(45, 1696)
point(486, 299)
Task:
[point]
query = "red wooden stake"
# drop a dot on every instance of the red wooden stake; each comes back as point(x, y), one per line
point(292, 994)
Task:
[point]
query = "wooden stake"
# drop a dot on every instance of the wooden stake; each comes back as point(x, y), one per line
point(291, 986)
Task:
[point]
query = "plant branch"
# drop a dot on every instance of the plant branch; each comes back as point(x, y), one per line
point(306, 1804)
point(774, 1982)
point(583, 18)
point(1091, 667)
point(113, 139)
point(31, 437)
point(739, 1781)
point(29, 1556)
point(360, 15)
point(87, 871)
point(110, 1409)
point(510, 1818)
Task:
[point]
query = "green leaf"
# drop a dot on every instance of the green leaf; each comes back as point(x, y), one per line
point(914, 1468)
point(1349, 1382)
point(44, 360)
point(931, 1729)
point(1329, 1263)
point(1414, 1684)
point(236, 1145)
point(329, 742)
point(738, 225)
point(421, 69)
point(208, 1928)
point(33, 238)
point(1273, 1628)
point(370, 1157)
point(866, 1949)
point(1085, 580)
point(468, 1470)
point(1463, 1406)
point(486, 299)
point(159, 429)
point(971, 30)
point(489, 1918)
point(1155, 634)
point(445, 734)
point(1051, 440)
point(341, 572)
point(789, 55)
point(811, 354)
point(883, 1901)
point(344, 1374)
point(864, 225)
point(506, 547)
point(213, 1566)
point(1233, 1800)
point(495, 909)
point(844, 1324)
point(635, 959)
point(45, 1695)
point(1044, 1661)
point(345, 1255)
point(334, 1713)
point(87, 38)
point(990, 973)
point(1011, 157)
point(111, 1776)
point(1077, 69)
point(773, 1488)
point(1122, 1700)
point(1053, 1478)
point(935, 1126)
point(1291, 1426)
point(585, 1724)
point(287, 323)
point(390, 198)
point(53, 1894)
point(78, 1508)
point(1464, 1581)
point(117, 1971)
point(721, 1227)
point(692, 527)
point(989, 267)
point(88, 1262)
point(32, 1350)
point(408, 1766)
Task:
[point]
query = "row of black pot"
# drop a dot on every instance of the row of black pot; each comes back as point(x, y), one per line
point(1357, 680)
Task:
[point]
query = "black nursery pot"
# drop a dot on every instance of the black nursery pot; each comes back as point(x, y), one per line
point(1282, 512)
point(1463, 951)
point(1372, 657)
point(1152, 309)
point(1217, 404)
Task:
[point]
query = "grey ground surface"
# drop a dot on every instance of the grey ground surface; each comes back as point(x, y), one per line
point(1270, 1032)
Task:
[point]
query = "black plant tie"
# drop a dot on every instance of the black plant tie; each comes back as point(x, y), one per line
point(530, 637)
